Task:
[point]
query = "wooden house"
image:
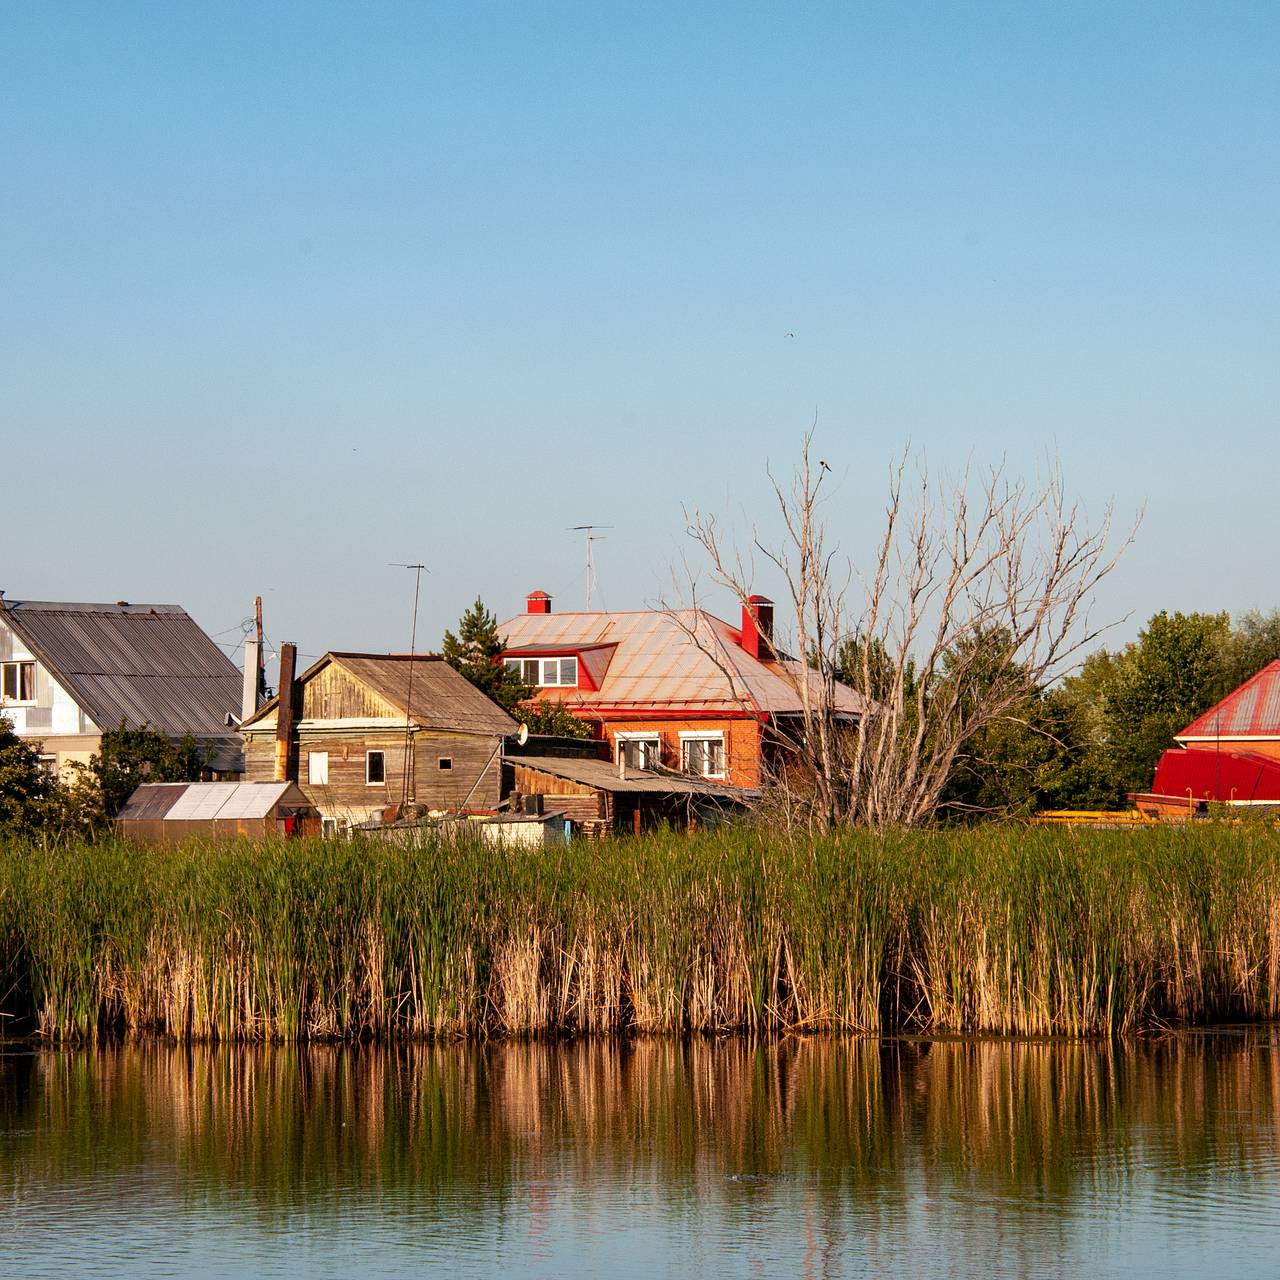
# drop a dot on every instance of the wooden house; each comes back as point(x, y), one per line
point(367, 736)
point(677, 691)
point(71, 672)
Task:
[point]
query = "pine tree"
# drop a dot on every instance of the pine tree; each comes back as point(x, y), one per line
point(475, 652)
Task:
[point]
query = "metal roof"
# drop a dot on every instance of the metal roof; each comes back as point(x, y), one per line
point(604, 777)
point(1251, 711)
point(206, 801)
point(137, 663)
point(442, 699)
point(685, 659)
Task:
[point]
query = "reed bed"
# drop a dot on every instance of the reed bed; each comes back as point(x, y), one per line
point(1001, 929)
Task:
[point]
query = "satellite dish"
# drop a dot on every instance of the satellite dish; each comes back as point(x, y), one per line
point(522, 735)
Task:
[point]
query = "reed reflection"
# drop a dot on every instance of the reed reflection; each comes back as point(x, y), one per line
point(850, 1118)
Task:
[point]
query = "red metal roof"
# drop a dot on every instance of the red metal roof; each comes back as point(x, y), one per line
point(685, 660)
point(1252, 711)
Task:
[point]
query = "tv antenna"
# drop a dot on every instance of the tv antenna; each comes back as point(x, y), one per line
point(592, 539)
point(408, 790)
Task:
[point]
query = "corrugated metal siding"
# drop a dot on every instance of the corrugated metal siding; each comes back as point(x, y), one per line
point(138, 663)
point(204, 801)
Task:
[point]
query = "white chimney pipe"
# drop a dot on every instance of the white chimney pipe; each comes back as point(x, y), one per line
point(249, 690)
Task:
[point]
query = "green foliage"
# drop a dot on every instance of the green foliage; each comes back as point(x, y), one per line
point(26, 789)
point(545, 716)
point(126, 759)
point(475, 652)
point(1001, 929)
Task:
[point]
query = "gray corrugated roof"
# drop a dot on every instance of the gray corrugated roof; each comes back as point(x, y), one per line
point(604, 777)
point(140, 663)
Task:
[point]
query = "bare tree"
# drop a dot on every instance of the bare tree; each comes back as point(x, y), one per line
point(977, 598)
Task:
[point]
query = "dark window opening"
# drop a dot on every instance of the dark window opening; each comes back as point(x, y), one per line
point(446, 762)
point(375, 768)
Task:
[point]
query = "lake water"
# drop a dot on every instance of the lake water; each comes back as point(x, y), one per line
point(810, 1158)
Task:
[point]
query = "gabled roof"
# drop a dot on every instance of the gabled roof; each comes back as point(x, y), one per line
point(1251, 711)
point(441, 698)
point(686, 659)
point(140, 663)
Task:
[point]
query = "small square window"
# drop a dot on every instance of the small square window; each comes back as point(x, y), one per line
point(375, 768)
point(446, 762)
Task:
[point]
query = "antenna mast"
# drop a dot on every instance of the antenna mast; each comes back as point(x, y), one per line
point(592, 538)
point(408, 790)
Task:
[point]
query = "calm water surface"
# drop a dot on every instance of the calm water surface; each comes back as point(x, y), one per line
point(815, 1158)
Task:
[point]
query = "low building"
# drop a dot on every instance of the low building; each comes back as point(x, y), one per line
point(371, 736)
point(597, 797)
point(71, 672)
point(1229, 755)
point(173, 812)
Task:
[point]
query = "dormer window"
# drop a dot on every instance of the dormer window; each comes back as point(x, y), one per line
point(545, 673)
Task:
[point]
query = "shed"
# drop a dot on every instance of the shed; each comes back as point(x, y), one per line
point(170, 812)
point(601, 797)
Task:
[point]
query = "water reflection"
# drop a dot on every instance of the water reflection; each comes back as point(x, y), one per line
point(812, 1157)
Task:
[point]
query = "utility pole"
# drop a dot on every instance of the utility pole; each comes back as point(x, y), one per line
point(409, 790)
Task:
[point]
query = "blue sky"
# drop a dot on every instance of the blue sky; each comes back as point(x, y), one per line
point(294, 291)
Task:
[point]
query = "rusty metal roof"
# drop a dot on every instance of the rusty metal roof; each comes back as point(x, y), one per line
point(604, 777)
point(1251, 711)
point(442, 699)
point(137, 663)
point(685, 659)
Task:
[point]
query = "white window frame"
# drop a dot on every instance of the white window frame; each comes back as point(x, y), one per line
point(317, 764)
point(369, 782)
point(329, 827)
point(622, 739)
point(715, 735)
point(547, 673)
point(17, 664)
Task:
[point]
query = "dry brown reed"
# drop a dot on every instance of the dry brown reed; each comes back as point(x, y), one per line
point(999, 929)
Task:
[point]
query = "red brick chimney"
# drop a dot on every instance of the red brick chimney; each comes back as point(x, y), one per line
point(538, 602)
point(757, 627)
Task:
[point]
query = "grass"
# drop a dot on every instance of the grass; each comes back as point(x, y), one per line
point(1001, 929)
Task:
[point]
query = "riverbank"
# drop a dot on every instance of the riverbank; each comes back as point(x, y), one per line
point(1000, 929)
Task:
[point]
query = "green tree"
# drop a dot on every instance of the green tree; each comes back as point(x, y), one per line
point(126, 759)
point(1254, 641)
point(476, 653)
point(26, 789)
point(1176, 670)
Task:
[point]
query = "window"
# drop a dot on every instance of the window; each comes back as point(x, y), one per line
point(446, 762)
point(546, 672)
point(328, 826)
point(375, 768)
point(18, 682)
point(702, 754)
point(639, 750)
point(318, 768)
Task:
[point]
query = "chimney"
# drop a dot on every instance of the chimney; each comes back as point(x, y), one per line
point(757, 627)
point(249, 689)
point(284, 713)
point(538, 602)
